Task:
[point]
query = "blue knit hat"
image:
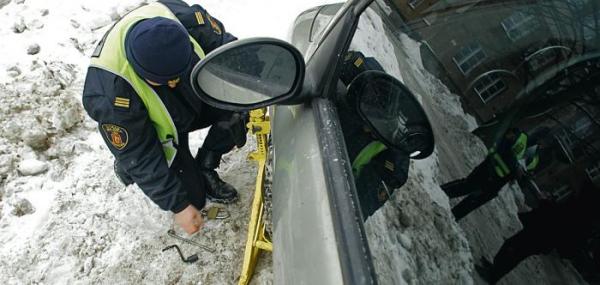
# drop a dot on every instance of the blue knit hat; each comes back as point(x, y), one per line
point(158, 49)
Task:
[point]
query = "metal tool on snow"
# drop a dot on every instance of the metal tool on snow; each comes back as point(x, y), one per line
point(172, 233)
point(215, 213)
point(190, 259)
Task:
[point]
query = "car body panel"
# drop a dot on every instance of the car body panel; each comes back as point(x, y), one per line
point(301, 212)
point(316, 217)
point(301, 29)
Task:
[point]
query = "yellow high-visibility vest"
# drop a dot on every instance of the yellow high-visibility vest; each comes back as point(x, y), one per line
point(110, 56)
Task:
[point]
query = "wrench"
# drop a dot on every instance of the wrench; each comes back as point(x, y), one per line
point(172, 233)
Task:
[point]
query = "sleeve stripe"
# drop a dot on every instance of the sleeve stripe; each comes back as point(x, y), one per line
point(199, 18)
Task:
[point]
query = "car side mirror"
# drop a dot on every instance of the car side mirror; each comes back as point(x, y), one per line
point(249, 74)
point(393, 113)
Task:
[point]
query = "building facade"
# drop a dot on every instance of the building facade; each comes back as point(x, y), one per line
point(538, 61)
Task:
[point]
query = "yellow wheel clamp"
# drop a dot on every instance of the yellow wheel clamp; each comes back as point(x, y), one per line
point(260, 127)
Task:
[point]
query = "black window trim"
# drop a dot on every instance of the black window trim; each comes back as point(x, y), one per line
point(322, 73)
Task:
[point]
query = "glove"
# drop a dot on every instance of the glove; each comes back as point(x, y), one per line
point(236, 126)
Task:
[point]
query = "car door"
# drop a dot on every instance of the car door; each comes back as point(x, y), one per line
point(317, 214)
point(315, 210)
point(318, 223)
point(319, 236)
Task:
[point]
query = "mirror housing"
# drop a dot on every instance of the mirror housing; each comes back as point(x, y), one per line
point(393, 113)
point(249, 74)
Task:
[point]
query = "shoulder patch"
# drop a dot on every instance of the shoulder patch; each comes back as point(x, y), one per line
point(121, 102)
point(358, 62)
point(389, 165)
point(215, 26)
point(199, 18)
point(116, 135)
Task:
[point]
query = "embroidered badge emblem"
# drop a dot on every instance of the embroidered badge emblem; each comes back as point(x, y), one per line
point(117, 136)
point(215, 26)
point(382, 194)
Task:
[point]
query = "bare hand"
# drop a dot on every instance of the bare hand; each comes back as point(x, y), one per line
point(189, 219)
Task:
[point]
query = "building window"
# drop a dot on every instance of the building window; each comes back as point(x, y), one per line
point(567, 139)
point(518, 25)
point(489, 86)
point(572, 139)
point(594, 173)
point(577, 4)
point(561, 192)
point(469, 57)
point(591, 27)
point(414, 3)
point(582, 127)
point(541, 60)
point(566, 144)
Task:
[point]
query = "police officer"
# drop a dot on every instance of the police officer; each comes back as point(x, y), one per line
point(512, 156)
point(138, 90)
point(377, 169)
point(564, 226)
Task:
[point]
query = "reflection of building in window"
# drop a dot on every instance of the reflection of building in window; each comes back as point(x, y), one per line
point(518, 25)
point(504, 33)
point(566, 141)
point(573, 140)
point(561, 192)
point(469, 57)
point(593, 173)
point(489, 86)
point(581, 127)
point(414, 3)
point(542, 59)
point(591, 27)
point(576, 4)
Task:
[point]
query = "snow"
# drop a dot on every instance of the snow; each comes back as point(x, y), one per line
point(32, 167)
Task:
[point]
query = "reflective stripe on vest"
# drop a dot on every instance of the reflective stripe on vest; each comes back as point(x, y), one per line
point(520, 146)
point(534, 163)
point(366, 155)
point(113, 59)
point(532, 157)
point(501, 167)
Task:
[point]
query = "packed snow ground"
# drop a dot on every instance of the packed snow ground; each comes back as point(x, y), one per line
point(64, 217)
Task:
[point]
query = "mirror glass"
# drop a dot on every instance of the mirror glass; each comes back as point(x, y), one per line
point(249, 74)
point(394, 113)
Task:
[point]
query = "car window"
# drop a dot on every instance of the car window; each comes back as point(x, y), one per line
point(478, 68)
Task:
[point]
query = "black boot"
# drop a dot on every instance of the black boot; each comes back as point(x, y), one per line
point(122, 175)
point(217, 190)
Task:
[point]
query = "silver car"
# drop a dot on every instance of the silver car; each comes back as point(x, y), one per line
point(356, 66)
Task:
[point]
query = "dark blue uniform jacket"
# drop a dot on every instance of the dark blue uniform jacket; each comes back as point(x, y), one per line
point(142, 156)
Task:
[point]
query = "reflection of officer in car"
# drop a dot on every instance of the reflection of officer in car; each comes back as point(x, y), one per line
point(377, 169)
point(565, 226)
point(138, 90)
point(501, 165)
